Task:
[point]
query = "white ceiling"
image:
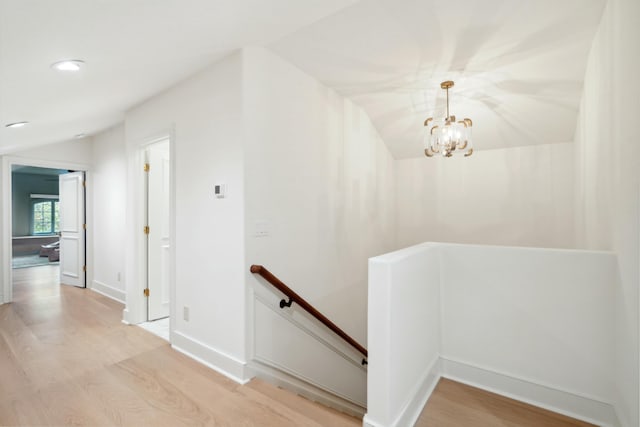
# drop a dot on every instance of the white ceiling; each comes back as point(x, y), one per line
point(518, 64)
point(133, 49)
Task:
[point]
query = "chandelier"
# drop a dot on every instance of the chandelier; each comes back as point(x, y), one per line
point(446, 136)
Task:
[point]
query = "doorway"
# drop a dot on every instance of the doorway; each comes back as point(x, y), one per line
point(35, 216)
point(150, 300)
point(158, 229)
point(32, 220)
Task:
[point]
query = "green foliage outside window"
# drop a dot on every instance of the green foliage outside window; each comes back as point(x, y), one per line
point(46, 217)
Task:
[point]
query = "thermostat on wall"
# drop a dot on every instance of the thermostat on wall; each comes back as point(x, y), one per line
point(219, 190)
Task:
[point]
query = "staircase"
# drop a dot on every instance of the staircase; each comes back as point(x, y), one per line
point(298, 348)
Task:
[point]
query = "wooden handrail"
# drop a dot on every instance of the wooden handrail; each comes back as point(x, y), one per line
point(294, 297)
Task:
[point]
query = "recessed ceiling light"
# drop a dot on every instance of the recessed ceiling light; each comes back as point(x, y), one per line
point(68, 65)
point(16, 124)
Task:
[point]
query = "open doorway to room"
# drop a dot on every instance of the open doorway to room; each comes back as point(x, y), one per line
point(45, 228)
point(35, 213)
point(35, 228)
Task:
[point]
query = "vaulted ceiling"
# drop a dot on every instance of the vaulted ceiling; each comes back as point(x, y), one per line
point(518, 65)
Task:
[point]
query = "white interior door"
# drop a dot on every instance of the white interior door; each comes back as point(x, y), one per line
point(159, 244)
point(72, 229)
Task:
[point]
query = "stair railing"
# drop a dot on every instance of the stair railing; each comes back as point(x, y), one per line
point(294, 297)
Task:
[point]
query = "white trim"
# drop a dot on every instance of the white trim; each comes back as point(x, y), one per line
point(225, 364)
point(125, 317)
point(543, 396)
point(109, 291)
point(305, 389)
point(522, 378)
point(287, 371)
point(301, 379)
point(418, 398)
point(624, 422)
point(136, 263)
point(412, 409)
point(366, 422)
point(316, 336)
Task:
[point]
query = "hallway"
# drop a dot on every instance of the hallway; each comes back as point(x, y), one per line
point(66, 359)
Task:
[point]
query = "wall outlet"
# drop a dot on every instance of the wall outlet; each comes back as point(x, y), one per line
point(185, 313)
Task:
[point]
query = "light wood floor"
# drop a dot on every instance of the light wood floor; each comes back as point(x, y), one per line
point(66, 359)
point(454, 405)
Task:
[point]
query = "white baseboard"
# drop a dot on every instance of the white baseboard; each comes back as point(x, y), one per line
point(303, 388)
point(413, 407)
point(109, 291)
point(125, 316)
point(621, 413)
point(225, 364)
point(579, 407)
point(411, 411)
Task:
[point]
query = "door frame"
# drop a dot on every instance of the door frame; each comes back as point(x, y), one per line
point(135, 310)
point(7, 219)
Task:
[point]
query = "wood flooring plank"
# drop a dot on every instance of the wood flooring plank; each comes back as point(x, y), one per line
point(23, 407)
point(119, 403)
point(453, 404)
point(67, 359)
point(66, 404)
point(178, 407)
point(202, 399)
point(322, 415)
point(12, 376)
point(19, 338)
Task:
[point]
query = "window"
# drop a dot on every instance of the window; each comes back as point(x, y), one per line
point(46, 216)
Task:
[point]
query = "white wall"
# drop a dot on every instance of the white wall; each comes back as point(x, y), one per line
point(405, 334)
point(109, 189)
point(533, 324)
point(321, 178)
point(202, 115)
point(543, 317)
point(74, 151)
point(608, 178)
point(515, 196)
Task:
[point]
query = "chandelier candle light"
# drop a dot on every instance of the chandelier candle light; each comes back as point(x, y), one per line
point(445, 136)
